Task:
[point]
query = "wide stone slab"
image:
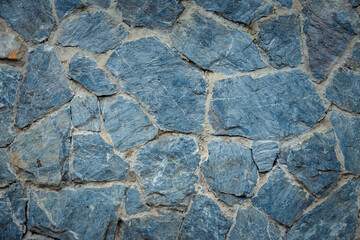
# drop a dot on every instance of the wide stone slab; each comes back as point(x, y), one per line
point(6, 175)
point(173, 91)
point(64, 7)
point(45, 87)
point(277, 106)
point(214, 46)
point(264, 155)
point(85, 113)
point(166, 170)
point(133, 202)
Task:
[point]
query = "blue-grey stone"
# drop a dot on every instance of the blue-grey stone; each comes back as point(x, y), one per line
point(33, 20)
point(347, 130)
point(165, 226)
point(9, 83)
point(85, 71)
point(32, 236)
point(95, 160)
point(328, 27)
point(99, 3)
point(12, 47)
point(214, 46)
point(85, 113)
point(92, 31)
point(280, 39)
point(47, 141)
point(264, 154)
point(204, 220)
point(333, 219)
point(166, 170)
point(64, 7)
point(344, 90)
point(354, 3)
point(239, 11)
point(6, 175)
point(251, 224)
point(45, 87)
point(159, 14)
point(230, 171)
point(281, 198)
point(173, 91)
point(126, 122)
point(284, 3)
point(273, 107)
point(314, 162)
point(353, 62)
point(84, 213)
point(133, 202)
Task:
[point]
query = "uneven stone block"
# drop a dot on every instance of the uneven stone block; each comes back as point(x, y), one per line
point(6, 175)
point(284, 3)
point(264, 154)
point(64, 7)
point(11, 46)
point(353, 62)
point(85, 113)
point(133, 202)
point(99, 3)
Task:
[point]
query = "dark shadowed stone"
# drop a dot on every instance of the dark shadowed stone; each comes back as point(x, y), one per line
point(64, 7)
point(85, 113)
point(280, 38)
point(33, 20)
point(133, 202)
point(328, 27)
point(12, 47)
point(166, 170)
point(85, 71)
point(95, 160)
point(314, 162)
point(45, 87)
point(93, 31)
point(264, 154)
point(85, 213)
point(126, 122)
point(173, 91)
point(230, 171)
point(353, 62)
point(273, 107)
point(204, 220)
point(347, 130)
point(165, 226)
point(159, 14)
point(214, 46)
point(9, 83)
point(281, 199)
point(335, 218)
point(99, 3)
point(238, 11)
point(284, 3)
point(251, 224)
point(47, 141)
point(6, 175)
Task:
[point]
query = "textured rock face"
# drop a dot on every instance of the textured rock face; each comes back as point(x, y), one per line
point(85, 113)
point(353, 62)
point(99, 3)
point(11, 46)
point(284, 3)
point(6, 175)
point(64, 7)
point(264, 155)
point(133, 202)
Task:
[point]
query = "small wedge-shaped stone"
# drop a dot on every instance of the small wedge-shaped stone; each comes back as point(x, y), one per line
point(214, 46)
point(133, 202)
point(353, 62)
point(264, 154)
point(6, 175)
point(92, 31)
point(85, 113)
point(45, 87)
point(64, 7)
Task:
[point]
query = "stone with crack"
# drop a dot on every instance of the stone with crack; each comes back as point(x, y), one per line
point(85, 113)
point(64, 7)
point(264, 154)
point(6, 175)
point(133, 202)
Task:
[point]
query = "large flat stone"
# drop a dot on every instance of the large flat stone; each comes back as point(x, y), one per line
point(64, 7)
point(6, 175)
point(173, 91)
point(133, 202)
point(85, 113)
point(264, 155)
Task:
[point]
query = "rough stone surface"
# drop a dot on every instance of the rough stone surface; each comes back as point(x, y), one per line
point(133, 202)
point(99, 3)
point(64, 7)
point(214, 46)
point(85, 113)
point(6, 175)
point(11, 46)
point(281, 198)
point(230, 171)
point(166, 170)
point(93, 31)
point(126, 122)
point(353, 62)
point(45, 87)
point(284, 3)
point(273, 107)
point(264, 154)
point(173, 91)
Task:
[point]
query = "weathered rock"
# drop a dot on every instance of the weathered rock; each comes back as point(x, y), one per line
point(85, 113)
point(354, 3)
point(166, 170)
point(353, 62)
point(6, 175)
point(173, 91)
point(9, 83)
point(33, 20)
point(31, 236)
point(335, 218)
point(314, 162)
point(47, 141)
point(159, 14)
point(11, 46)
point(133, 202)
point(85, 71)
point(85, 213)
point(273, 107)
point(204, 220)
point(280, 38)
point(126, 122)
point(95, 160)
point(251, 224)
point(281, 199)
point(264, 154)
point(238, 11)
point(45, 87)
point(347, 130)
point(284, 3)
point(64, 7)
point(99, 3)
point(328, 27)
point(93, 31)
point(230, 171)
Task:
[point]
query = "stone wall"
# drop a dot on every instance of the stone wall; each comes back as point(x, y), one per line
point(179, 119)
